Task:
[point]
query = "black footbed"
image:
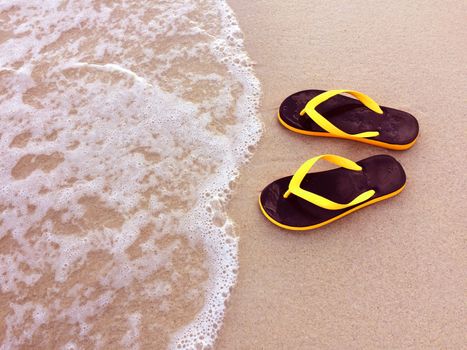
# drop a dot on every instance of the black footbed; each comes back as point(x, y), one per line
point(351, 116)
point(381, 173)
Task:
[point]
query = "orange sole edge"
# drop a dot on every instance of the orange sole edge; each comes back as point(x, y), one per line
point(370, 142)
point(306, 228)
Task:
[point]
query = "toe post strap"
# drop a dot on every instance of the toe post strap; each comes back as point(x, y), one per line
point(310, 110)
point(297, 178)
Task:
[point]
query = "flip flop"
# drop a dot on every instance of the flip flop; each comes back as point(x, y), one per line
point(343, 117)
point(308, 201)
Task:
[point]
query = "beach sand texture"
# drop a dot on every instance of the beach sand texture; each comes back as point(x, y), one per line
point(100, 244)
point(391, 276)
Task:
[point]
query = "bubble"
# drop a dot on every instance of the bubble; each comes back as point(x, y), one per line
point(151, 147)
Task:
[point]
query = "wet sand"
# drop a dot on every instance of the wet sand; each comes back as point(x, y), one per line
point(117, 149)
point(391, 276)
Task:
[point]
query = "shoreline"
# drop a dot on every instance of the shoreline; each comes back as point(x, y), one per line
point(125, 123)
point(389, 276)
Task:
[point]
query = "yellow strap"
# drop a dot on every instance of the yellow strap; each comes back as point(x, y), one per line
point(294, 185)
point(310, 109)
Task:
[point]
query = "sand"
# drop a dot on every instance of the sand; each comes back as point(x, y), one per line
point(391, 276)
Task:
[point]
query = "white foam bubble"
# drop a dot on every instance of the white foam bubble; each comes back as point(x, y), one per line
point(123, 126)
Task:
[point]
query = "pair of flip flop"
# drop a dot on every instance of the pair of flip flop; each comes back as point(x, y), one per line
point(306, 201)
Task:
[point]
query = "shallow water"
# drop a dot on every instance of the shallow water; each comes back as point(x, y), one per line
point(123, 125)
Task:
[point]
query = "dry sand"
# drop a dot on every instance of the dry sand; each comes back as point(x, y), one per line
point(391, 276)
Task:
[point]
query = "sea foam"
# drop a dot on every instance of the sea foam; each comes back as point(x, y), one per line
point(123, 126)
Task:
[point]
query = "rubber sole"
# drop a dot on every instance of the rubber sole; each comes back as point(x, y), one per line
point(307, 228)
point(368, 141)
